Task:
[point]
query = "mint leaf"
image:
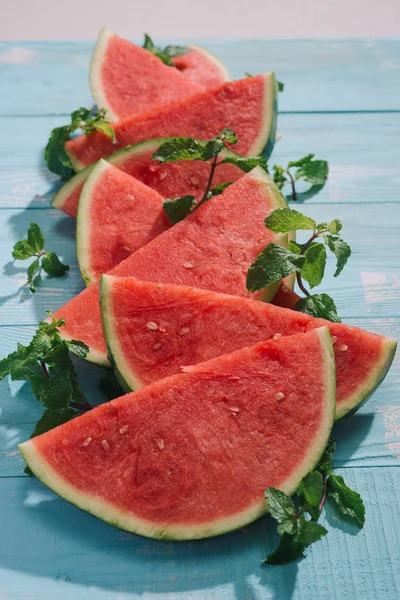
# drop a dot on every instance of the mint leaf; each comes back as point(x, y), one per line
point(248, 74)
point(22, 250)
point(213, 148)
point(284, 220)
point(319, 305)
point(51, 419)
point(35, 237)
point(33, 272)
point(218, 189)
point(178, 208)
point(164, 54)
point(310, 490)
point(347, 500)
point(324, 464)
point(104, 127)
point(281, 86)
point(340, 249)
point(279, 177)
point(312, 171)
point(228, 136)
point(280, 506)
point(288, 551)
point(53, 266)
point(179, 149)
point(78, 348)
point(57, 160)
point(334, 226)
point(246, 164)
point(310, 532)
point(271, 265)
point(314, 267)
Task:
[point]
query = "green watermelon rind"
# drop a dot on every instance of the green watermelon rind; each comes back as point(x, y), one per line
point(180, 532)
point(346, 408)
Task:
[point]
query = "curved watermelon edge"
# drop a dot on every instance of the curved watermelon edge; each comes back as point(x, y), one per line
point(265, 141)
point(83, 222)
point(222, 68)
point(375, 378)
point(123, 373)
point(110, 514)
point(93, 356)
point(95, 72)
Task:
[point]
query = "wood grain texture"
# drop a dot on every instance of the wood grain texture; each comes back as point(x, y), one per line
point(52, 550)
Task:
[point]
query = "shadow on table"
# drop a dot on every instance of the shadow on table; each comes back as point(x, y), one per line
point(56, 540)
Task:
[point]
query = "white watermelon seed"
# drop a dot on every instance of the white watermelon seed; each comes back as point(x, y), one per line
point(234, 409)
point(343, 347)
point(162, 175)
point(157, 346)
point(160, 444)
point(123, 429)
point(188, 265)
point(277, 336)
point(87, 441)
point(184, 330)
point(194, 180)
point(334, 339)
point(280, 396)
point(105, 445)
point(151, 325)
point(284, 288)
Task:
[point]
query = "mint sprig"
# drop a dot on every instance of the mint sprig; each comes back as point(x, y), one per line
point(307, 260)
point(295, 530)
point(84, 119)
point(32, 246)
point(306, 169)
point(177, 149)
point(164, 54)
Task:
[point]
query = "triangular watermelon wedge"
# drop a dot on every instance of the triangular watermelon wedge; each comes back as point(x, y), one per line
point(211, 249)
point(187, 177)
point(117, 215)
point(202, 67)
point(191, 455)
point(248, 106)
point(126, 79)
point(193, 325)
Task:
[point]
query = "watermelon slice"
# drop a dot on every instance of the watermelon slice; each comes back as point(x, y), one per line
point(248, 106)
point(117, 215)
point(126, 79)
point(202, 67)
point(191, 455)
point(187, 177)
point(211, 249)
point(285, 297)
point(193, 325)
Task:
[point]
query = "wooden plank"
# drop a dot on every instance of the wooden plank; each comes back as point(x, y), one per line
point(52, 550)
point(319, 75)
point(358, 147)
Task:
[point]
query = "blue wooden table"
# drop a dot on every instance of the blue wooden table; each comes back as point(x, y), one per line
point(341, 101)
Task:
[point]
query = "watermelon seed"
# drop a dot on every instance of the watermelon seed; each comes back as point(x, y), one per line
point(184, 330)
point(343, 347)
point(105, 445)
point(194, 180)
point(334, 339)
point(277, 336)
point(157, 346)
point(160, 444)
point(151, 325)
point(188, 265)
point(284, 288)
point(87, 441)
point(234, 409)
point(280, 396)
point(169, 472)
point(162, 329)
point(162, 175)
point(123, 429)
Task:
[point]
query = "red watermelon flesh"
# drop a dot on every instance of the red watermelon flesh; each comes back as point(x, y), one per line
point(248, 106)
point(126, 79)
point(191, 455)
point(117, 215)
point(187, 177)
point(202, 67)
point(286, 297)
point(190, 325)
point(211, 249)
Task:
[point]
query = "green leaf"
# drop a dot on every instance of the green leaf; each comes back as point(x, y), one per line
point(248, 74)
point(180, 149)
point(295, 247)
point(79, 117)
point(340, 249)
point(322, 226)
point(279, 176)
point(218, 189)
point(178, 208)
point(33, 272)
point(325, 461)
point(22, 250)
point(310, 489)
point(319, 305)
point(148, 43)
point(104, 127)
point(280, 506)
point(281, 86)
point(53, 266)
point(51, 419)
point(55, 155)
point(213, 148)
point(347, 500)
point(284, 220)
point(35, 237)
point(288, 551)
point(164, 54)
point(310, 532)
point(78, 348)
point(271, 265)
point(334, 226)
point(173, 51)
point(56, 391)
point(246, 164)
point(228, 136)
point(312, 171)
point(314, 267)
